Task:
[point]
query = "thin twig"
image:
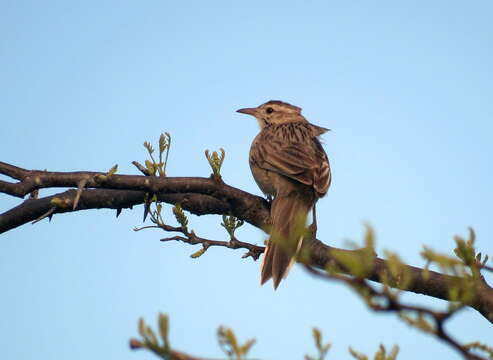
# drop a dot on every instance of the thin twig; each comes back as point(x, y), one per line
point(191, 238)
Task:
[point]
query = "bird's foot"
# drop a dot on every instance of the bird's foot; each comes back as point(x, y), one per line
point(312, 229)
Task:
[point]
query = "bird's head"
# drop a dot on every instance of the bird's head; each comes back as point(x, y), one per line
point(274, 112)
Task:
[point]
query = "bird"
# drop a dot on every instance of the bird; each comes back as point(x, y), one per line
point(290, 166)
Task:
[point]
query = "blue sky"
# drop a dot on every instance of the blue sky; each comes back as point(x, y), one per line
point(405, 87)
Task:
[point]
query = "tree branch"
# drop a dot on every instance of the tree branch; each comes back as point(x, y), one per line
point(197, 195)
point(382, 300)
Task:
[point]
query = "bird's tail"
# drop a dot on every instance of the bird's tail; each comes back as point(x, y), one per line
point(288, 215)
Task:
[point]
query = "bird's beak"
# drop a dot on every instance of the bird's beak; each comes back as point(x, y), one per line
point(249, 111)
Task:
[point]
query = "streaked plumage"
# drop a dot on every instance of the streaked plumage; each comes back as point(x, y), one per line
point(288, 163)
point(292, 150)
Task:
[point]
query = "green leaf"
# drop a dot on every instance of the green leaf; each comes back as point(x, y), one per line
point(215, 161)
point(245, 348)
point(393, 353)
point(230, 345)
point(369, 237)
point(418, 321)
point(141, 327)
point(322, 349)
point(317, 335)
point(150, 336)
point(149, 147)
point(180, 216)
point(162, 143)
point(198, 253)
point(401, 277)
point(351, 262)
point(163, 322)
point(113, 170)
point(357, 355)
point(445, 262)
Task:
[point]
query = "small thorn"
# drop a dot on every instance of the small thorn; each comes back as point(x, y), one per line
point(47, 214)
point(141, 168)
point(80, 186)
point(147, 207)
point(118, 212)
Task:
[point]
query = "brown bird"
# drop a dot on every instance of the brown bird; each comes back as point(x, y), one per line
point(288, 163)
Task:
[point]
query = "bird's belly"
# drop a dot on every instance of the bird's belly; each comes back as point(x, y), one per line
point(263, 178)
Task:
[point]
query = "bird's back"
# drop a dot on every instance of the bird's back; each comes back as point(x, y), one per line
point(292, 149)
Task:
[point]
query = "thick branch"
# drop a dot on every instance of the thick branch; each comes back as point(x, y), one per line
point(382, 300)
point(239, 201)
point(432, 284)
point(197, 195)
point(32, 209)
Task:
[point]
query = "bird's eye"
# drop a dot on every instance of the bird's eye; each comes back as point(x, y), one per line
point(269, 110)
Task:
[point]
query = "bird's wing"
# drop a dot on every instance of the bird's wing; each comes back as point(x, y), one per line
point(303, 162)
